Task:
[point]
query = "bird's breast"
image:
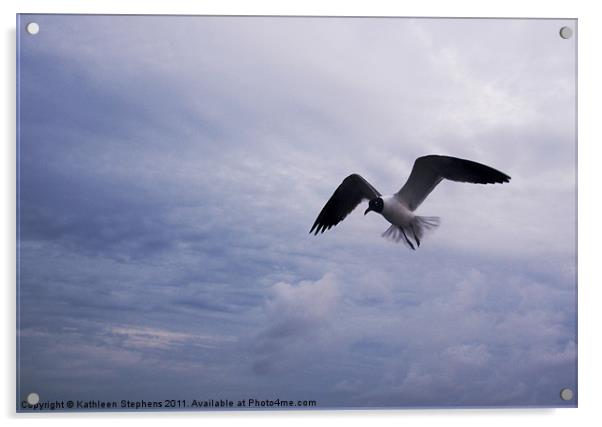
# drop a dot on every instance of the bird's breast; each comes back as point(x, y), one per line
point(395, 212)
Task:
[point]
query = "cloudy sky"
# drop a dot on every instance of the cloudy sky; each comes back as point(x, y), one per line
point(170, 169)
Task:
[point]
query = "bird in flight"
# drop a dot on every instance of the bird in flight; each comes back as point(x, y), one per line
point(398, 209)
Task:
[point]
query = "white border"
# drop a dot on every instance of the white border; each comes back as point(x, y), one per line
point(590, 285)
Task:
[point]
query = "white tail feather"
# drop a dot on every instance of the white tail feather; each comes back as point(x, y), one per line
point(417, 229)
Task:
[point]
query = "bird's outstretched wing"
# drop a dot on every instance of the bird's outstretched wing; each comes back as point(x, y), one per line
point(428, 171)
point(346, 197)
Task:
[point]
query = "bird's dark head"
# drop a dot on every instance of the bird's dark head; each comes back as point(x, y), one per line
point(375, 205)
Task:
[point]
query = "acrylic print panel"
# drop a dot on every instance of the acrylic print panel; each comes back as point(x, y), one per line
point(171, 167)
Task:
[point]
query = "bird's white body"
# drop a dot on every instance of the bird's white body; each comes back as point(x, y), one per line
point(405, 225)
point(396, 212)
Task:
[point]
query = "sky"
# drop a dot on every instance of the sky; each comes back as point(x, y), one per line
point(170, 168)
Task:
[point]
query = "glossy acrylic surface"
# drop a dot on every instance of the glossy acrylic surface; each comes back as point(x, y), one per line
point(169, 170)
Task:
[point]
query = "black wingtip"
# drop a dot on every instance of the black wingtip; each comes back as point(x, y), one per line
point(503, 180)
point(501, 177)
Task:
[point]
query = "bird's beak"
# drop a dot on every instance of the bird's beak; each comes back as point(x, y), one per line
point(367, 210)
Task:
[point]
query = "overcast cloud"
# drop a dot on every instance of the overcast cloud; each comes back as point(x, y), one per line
point(170, 170)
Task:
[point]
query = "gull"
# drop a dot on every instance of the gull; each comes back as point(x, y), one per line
point(398, 209)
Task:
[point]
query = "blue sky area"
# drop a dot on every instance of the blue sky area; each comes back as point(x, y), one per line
point(170, 169)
